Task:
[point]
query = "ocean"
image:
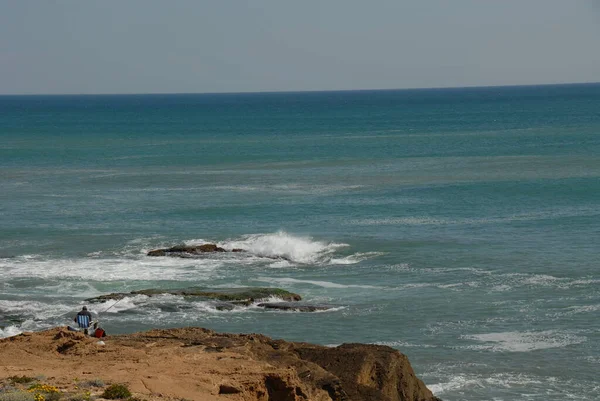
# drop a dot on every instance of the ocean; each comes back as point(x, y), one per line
point(460, 226)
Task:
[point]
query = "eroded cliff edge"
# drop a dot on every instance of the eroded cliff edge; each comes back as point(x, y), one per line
point(200, 364)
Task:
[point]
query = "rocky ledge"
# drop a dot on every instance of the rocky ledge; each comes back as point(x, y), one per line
point(190, 250)
point(200, 364)
point(236, 296)
point(229, 298)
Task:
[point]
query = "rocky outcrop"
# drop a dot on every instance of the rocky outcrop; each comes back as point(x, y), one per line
point(189, 250)
point(236, 296)
point(349, 372)
point(368, 372)
point(200, 364)
point(294, 306)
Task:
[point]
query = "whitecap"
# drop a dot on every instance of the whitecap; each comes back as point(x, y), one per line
point(10, 331)
point(403, 344)
point(295, 249)
point(120, 305)
point(34, 309)
point(110, 269)
point(355, 258)
point(324, 284)
point(522, 341)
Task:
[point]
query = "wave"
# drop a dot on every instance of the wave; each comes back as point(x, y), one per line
point(36, 310)
point(459, 382)
point(355, 258)
point(324, 284)
point(282, 245)
point(10, 331)
point(276, 250)
point(549, 214)
point(19, 316)
point(109, 269)
point(528, 341)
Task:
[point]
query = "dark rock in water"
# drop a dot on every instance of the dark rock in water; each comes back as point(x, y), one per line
point(223, 306)
point(188, 250)
point(293, 306)
point(236, 296)
point(157, 252)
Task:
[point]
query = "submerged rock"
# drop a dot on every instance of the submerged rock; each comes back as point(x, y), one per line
point(293, 306)
point(236, 296)
point(188, 250)
point(191, 251)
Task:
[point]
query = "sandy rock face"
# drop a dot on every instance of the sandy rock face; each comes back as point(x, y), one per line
point(199, 364)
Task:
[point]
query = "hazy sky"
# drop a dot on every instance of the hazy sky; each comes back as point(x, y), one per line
point(147, 46)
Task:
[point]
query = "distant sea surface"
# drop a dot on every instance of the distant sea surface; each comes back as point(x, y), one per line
point(460, 226)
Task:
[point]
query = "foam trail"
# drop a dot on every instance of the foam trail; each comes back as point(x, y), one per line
point(324, 284)
point(120, 305)
point(109, 269)
point(36, 310)
point(523, 341)
point(355, 258)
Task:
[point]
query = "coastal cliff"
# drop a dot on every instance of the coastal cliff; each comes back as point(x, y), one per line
point(200, 364)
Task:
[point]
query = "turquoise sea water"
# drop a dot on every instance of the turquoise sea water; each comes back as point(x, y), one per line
point(460, 226)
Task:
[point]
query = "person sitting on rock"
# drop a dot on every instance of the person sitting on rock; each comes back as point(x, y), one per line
point(83, 318)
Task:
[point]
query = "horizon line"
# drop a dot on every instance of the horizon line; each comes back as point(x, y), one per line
point(306, 91)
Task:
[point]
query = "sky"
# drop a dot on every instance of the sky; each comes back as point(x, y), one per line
point(195, 46)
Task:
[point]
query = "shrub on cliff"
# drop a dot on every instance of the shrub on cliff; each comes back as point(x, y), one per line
point(18, 395)
point(21, 379)
point(116, 392)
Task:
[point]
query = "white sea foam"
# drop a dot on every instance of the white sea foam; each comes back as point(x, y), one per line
point(280, 250)
point(523, 341)
point(110, 269)
point(404, 344)
point(38, 315)
point(34, 309)
point(355, 258)
point(501, 288)
point(530, 216)
point(27, 325)
point(120, 305)
point(283, 245)
point(573, 310)
point(289, 189)
point(10, 331)
point(499, 381)
point(541, 280)
point(324, 284)
point(455, 383)
point(281, 264)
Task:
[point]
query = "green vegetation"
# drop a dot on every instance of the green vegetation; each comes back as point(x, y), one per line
point(86, 396)
point(116, 392)
point(21, 379)
point(92, 383)
point(44, 392)
point(16, 395)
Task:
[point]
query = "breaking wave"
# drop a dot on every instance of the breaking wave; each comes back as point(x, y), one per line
point(285, 246)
